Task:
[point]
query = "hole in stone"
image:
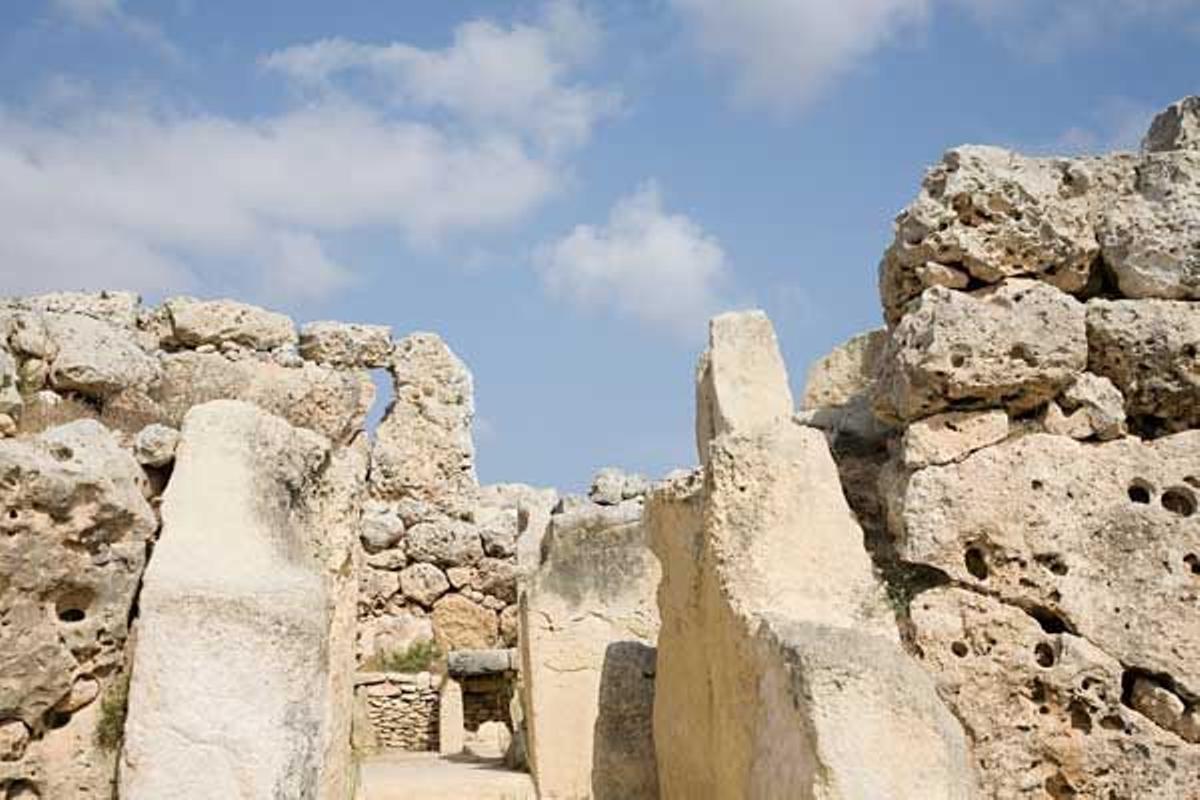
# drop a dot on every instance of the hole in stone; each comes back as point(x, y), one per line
point(959, 649)
point(62, 453)
point(21, 790)
point(72, 606)
point(1193, 562)
point(1053, 562)
point(13, 513)
point(1036, 485)
point(57, 719)
point(1189, 351)
point(1081, 717)
point(1179, 500)
point(1140, 492)
point(1021, 353)
point(1059, 788)
point(1193, 481)
point(1112, 723)
point(1050, 621)
point(957, 360)
point(1044, 654)
point(976, 563)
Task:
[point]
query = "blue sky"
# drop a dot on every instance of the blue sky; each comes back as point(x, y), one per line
point(563, 190)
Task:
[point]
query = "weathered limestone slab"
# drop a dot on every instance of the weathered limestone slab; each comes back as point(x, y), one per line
point(1016, 345)
point(1149, 349)
point(587, 620)
point(1095, 539)
point(988, 214)
point(73, 534)
point(950, 436)
point(1150, 237)
point(200, 322)
point(1048, 711)
point(843, 374)
point(331, 402)
point(1175, 128)
point(1090, 407)
point(345, 344)
point(779, 668)
point(741, 381)
point(246, 629)
point(423, 448)
point(96, 358)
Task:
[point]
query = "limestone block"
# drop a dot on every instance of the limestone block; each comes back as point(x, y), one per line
point(1016, 345)
point(1176, 128)
point(331, 402)
point(344, 344)
point(155, 445)
point(1148, 349)
point(447, 543)
point(476, 663)
point(510, 626)
point(73, 537)
point(451, 728)
point(952, 435)
point(460, 623)
point(1044, 705)
point(251, 569)
point(844, 373)
point(1099, 540)
point(423, 583)
point(1150, 237)
point(202, 322)
point(741, 382)
point(117, 308)
point(1092, 406)
point(97, 358)
point(989, 214)
point(382, 527)
point(423, 448)
point(496, 577)
point(591, 600)
point(795, 679)
point(10, 396)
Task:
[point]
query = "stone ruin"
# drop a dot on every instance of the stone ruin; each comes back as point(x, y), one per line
point(967, 566)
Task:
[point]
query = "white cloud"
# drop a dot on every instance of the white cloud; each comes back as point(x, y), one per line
point(109, 14)
point(646, 263)
point(493, 77)
point(785, 52)
point(1044, 30)
point(102, 193)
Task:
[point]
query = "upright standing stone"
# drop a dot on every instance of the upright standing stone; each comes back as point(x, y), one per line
point(246, 614)
point(588, 624)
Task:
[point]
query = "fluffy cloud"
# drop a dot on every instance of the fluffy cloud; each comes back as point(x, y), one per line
point(94, 194)
point(645, 263)
point(511, 78)
point(786, 51)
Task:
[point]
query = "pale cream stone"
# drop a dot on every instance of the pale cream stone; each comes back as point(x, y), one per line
point(952, 435)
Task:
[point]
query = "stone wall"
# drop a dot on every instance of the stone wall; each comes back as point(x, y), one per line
point(780, 672)
point(401, 709)
point(1030, 488)
point(588, 625)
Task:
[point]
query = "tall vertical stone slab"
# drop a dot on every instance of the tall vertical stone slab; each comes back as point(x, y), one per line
point(246, 614)
point(741, 381)
point(588, 625)
point(780, 672)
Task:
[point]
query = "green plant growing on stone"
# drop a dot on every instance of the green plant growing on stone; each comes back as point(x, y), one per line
point(114, 705)
point(419, 657)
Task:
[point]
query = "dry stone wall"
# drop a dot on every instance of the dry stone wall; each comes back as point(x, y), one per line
point(1030, 492)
